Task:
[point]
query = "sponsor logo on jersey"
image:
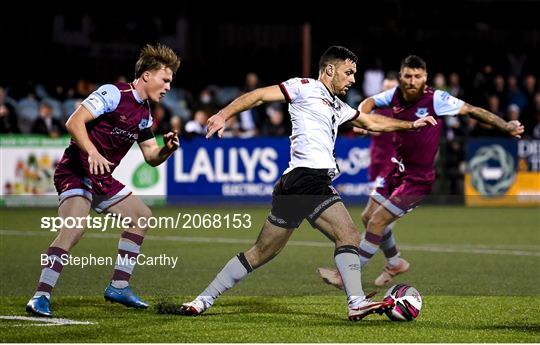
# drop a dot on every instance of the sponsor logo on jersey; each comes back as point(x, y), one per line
point(125, 135)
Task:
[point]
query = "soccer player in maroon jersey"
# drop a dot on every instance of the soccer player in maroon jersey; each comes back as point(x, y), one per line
point(413, 175)
point(381, 149)
point(103, 129)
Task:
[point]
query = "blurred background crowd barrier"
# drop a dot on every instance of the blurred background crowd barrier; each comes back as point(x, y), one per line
point(487, 56)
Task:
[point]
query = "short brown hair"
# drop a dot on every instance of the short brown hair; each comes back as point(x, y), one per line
point(156, 57)
point(336, 53)
point(413, 61)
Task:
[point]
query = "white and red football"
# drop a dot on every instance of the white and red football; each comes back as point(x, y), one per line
point(407, 302)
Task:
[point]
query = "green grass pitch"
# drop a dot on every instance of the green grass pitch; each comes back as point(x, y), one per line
point(478, 270)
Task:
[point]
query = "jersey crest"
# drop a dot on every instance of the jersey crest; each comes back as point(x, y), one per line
point(422, 112)
point(143, 124)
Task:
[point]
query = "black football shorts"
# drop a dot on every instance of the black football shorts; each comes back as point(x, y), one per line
point(302, 193)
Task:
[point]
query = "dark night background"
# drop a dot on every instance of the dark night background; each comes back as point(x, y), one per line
point(219, 44)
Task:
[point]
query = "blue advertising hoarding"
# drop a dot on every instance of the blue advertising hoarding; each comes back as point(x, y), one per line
point(245, 170)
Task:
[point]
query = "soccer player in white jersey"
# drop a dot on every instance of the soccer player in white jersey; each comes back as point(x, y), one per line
point(305, 189)
point(381, 153)
point(413, 175)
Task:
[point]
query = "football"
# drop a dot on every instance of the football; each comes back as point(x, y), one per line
point(407, 302)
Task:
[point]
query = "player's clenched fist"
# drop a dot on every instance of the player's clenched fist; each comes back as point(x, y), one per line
point(514, 128)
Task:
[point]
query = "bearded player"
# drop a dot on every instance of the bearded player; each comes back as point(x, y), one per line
point(413, 175)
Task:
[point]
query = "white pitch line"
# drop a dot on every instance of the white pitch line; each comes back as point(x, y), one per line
point(435, 248)
point(33, 324)
point(466, 250)
point(45, 321)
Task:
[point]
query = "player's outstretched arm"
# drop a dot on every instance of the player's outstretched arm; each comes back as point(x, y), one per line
point(155, 155)
point(513, 128)
point(247, 101)
point(366, 107)
point(380, 123)
point(76, 127)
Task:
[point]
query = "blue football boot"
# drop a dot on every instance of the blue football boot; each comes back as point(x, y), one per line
point(39, 306)
point(124, 296)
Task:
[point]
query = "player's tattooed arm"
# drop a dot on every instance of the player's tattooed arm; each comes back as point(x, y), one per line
point(513, 128)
